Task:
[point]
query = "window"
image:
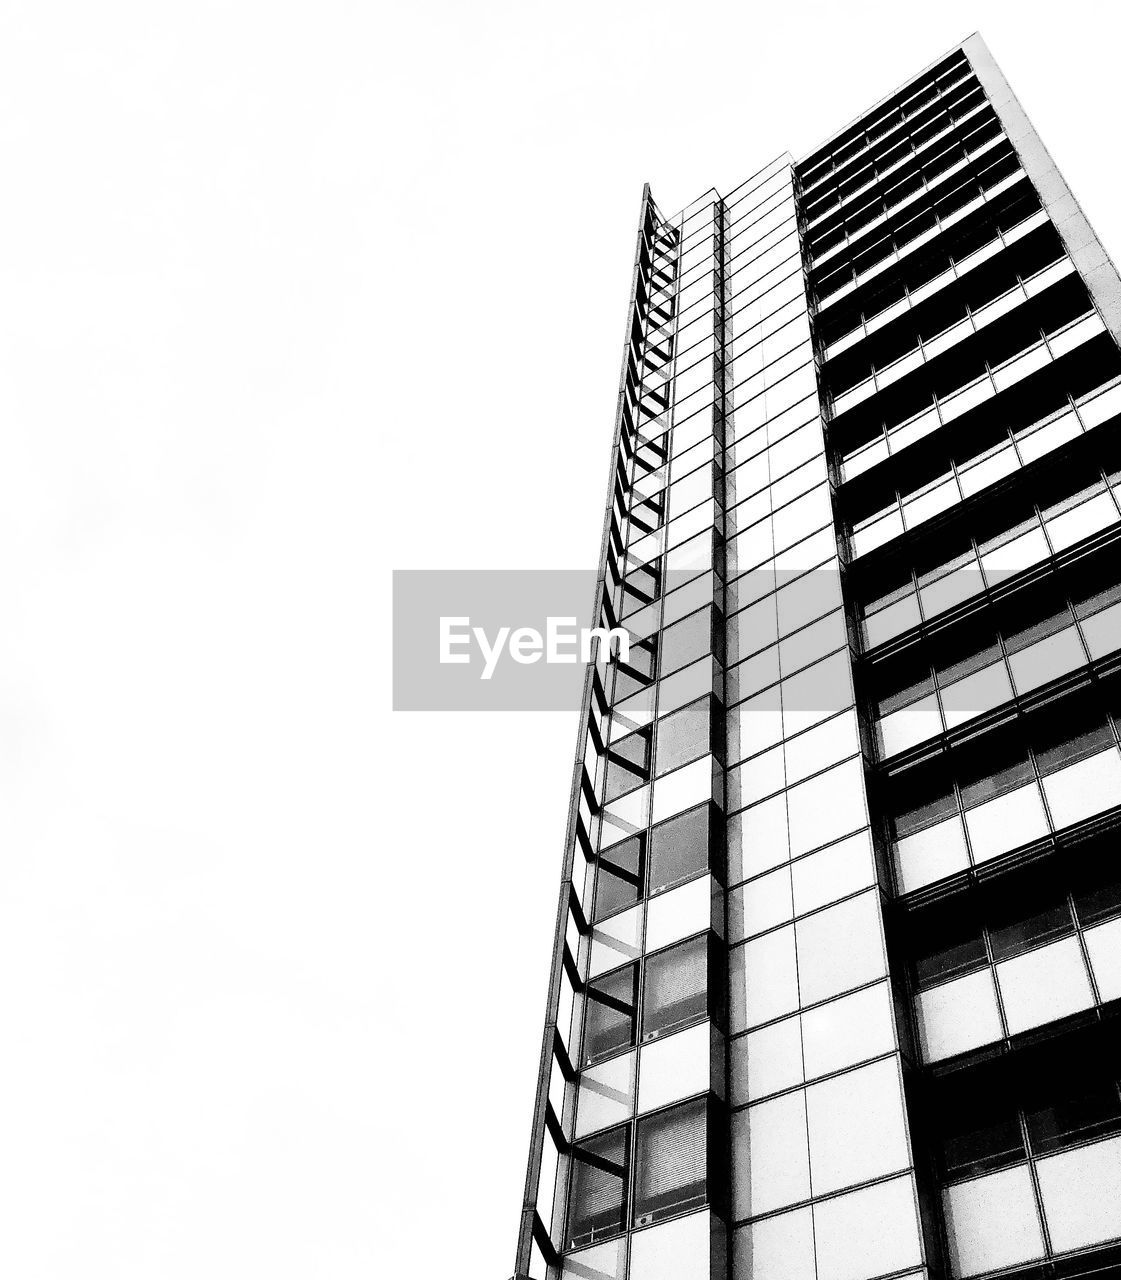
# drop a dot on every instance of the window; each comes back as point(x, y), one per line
point(979, 1135)
point(1001, 772)
point(686, 641)
point(679, 849)
point(1076, 1115)
point(671, 1166)
point(906, 688)
point(598, 1202)
point(638, 671)
point(1059, 746)
point(1097, 894)
point(612, 1007)
point(619, 877)
point(628, 765)
point(1018, 926)
point(955, 944)
point(684, 735)
point(922, 802)
point(676, 988)
point(642, 586)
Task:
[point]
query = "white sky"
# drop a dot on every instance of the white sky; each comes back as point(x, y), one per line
point(291, 295)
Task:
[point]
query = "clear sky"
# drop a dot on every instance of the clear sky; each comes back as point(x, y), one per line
point(291, 295)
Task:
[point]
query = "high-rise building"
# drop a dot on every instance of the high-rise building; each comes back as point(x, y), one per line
point(837, 975)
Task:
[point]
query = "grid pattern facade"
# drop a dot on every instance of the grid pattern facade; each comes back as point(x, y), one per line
point(838, 959)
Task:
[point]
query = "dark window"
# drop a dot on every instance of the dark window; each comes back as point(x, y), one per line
point(686, 641)
point(951, 945)
point(679, 849)
point(676, 987)
point(683, 736)
point(1017, 926)
point(619, 877)
point(921, 802)
point(982, 655)
point(1000, 774)
point(1090, 602)
point(609, 1021)
point(978, 1138)
point(1061, 746)
point(598, 1204)
point(1078, 1115)
point(1097, 893)
point(1026, 632)
point(670, 1162)
point(904, 686)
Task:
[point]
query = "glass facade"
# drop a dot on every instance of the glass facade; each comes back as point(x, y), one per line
point(838, 953)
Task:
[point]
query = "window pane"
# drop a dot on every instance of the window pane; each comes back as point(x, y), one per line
point(922, 803)
point(1097, 894)
point(679, 849)
point(1063, 746)
point(978, 1138)
point(993, 1222)
point(611, 1009)
point(628, 765)
point(670, 1162)
point(857, 1127)
point(599, 1180)
point(1021, 926)
point(686, 641)
point(871, 1232)
point(1076, 1115)
point(995, 777)
point(954, 944)
point(619, 878)
point(684, 735)
point(676, 989)
point(827, 807)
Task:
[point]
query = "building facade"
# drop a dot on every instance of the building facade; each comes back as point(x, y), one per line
point(837, 974)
